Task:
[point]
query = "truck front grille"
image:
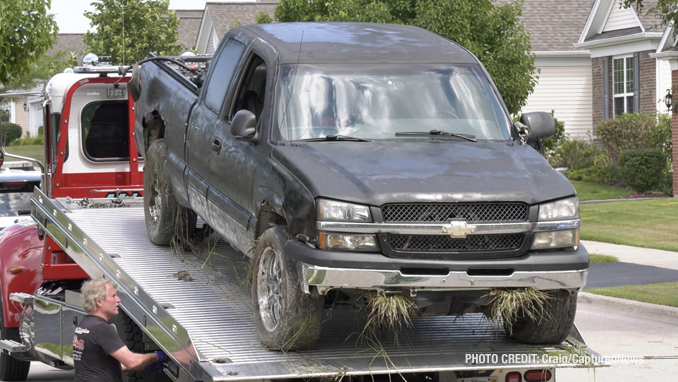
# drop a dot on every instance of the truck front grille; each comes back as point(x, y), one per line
point(444, 212)
point(444, 243)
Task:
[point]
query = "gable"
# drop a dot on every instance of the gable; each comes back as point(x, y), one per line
point(620, 18)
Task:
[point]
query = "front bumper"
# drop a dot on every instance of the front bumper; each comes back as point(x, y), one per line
point(325, 270)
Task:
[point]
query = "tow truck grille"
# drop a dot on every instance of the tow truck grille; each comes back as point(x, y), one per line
point(444, 243)
point(444, 212)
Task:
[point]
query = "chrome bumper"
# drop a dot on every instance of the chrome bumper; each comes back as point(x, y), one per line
point(333, 278)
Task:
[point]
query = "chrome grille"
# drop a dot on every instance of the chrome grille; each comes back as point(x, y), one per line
point(444, 243)
point(444, 212)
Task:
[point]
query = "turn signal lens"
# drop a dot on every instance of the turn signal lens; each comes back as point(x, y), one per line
point(556, 239)
point(16, 270)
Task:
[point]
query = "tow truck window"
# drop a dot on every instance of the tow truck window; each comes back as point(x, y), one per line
point(105, 135)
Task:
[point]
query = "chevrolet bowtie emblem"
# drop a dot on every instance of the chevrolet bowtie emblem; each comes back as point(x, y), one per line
point(458, 228)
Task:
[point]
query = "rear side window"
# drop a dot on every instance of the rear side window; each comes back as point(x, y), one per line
point(222, 73)
point(104, 131)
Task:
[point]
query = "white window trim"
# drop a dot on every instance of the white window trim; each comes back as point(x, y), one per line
point(621, 95)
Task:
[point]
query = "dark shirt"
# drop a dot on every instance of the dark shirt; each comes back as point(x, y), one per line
point(93, 343)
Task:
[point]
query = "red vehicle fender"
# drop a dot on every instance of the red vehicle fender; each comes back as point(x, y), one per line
point(21, 251)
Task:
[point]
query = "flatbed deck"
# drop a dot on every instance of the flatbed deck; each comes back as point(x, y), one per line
point(207, 323)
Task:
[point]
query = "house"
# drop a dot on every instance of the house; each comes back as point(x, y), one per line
point(667, 54)
point(626, 78)
point(565, 80)
point(218, 18)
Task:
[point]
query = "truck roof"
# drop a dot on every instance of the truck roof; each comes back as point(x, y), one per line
point(335, 42)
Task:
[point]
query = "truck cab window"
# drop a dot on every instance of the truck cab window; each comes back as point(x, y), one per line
point(222, 73)
point(105, 132)
point(253, 89)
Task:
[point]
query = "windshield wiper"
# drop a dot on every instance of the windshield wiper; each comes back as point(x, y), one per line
point(468, 137)
point(336, 138)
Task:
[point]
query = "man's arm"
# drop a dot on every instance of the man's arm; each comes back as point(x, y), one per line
point(133, 361)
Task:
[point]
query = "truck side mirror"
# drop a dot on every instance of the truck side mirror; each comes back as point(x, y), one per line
point(244, 126)
point(539, 123)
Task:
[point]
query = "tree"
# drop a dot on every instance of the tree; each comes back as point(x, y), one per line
point(44, 68)
point(127, 30)
point(494, 34)
point(26, 33)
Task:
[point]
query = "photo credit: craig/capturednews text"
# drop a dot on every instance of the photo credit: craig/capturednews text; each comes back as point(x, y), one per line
point(518, 358)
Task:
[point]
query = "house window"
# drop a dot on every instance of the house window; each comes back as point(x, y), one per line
point(623, 85)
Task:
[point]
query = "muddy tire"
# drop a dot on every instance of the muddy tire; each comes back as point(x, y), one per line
point(11, 369)
point(553, 327)
point(164, 216)
point(131, 335)
point(286, 317)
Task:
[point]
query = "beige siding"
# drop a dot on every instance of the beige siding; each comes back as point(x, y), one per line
point(567, 91)
point(620, 18)
point(21, 116)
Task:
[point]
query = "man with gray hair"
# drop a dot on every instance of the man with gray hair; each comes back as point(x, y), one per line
point(98, 353)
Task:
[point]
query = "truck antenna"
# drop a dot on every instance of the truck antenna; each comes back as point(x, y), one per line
point(294, 80)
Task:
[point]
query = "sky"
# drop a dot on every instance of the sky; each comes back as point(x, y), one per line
point(69, 13)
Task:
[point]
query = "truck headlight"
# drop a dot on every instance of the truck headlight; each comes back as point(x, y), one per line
point(560, 210)
point(564, 209)
point(348, 242)
point(330, 210)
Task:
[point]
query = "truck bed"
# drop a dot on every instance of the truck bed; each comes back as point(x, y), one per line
point(213, 315)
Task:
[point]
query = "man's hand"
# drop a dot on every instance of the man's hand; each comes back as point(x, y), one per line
point(158, 365)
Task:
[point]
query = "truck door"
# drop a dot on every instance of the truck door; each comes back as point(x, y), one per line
point(233, 163)
point(205, 121)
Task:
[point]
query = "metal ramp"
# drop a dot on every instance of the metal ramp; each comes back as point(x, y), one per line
point(207, 323)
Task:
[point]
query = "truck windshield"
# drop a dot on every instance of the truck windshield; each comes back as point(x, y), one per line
point(378, 101)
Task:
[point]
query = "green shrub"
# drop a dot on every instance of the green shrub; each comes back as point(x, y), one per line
point(574, 154)
point(666, 186)
point(635, 131)
point(642, 169)
point(28, 141)
point(10, 132)
point(602, 171)
point(40, 131)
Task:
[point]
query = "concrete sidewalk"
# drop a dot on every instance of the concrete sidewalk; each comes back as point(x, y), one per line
point(635, 255)
point(637, 266)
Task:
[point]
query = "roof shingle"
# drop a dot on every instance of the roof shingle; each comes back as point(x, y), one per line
point(554, 25)
point(189, 25)
point(227, 15)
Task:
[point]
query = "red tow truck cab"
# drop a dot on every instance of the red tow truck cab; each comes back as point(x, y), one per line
point(88, 122)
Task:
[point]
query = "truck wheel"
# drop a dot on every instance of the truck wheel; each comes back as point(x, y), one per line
point(162, 213)
point(553, 327)
point(11, 369)
point(286, 317)
point(131, 335)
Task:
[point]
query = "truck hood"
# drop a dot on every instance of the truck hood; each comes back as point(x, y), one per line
point(376, 173)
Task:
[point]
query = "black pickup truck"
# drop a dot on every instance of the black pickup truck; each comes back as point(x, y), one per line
point(346, 158)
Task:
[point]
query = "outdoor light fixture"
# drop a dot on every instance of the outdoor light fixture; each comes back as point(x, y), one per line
point(668, 99)
point(25, 107)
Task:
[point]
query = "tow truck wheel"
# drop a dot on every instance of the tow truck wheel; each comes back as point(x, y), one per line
point(11, 369)
point(553, 326)
point(286, 317)
point(162, 213)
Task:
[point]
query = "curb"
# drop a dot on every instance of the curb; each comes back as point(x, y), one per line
point(667, 314)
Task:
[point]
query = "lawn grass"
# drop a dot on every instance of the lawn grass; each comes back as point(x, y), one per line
point(595, 191)
point(596, 259)
point(663, 294)
point(638, 223)
point(32, 151)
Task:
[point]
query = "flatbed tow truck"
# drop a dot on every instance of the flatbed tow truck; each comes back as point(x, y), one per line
point(197, 308)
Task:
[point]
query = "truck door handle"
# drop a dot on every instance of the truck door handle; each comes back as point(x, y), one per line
point(216, 145)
